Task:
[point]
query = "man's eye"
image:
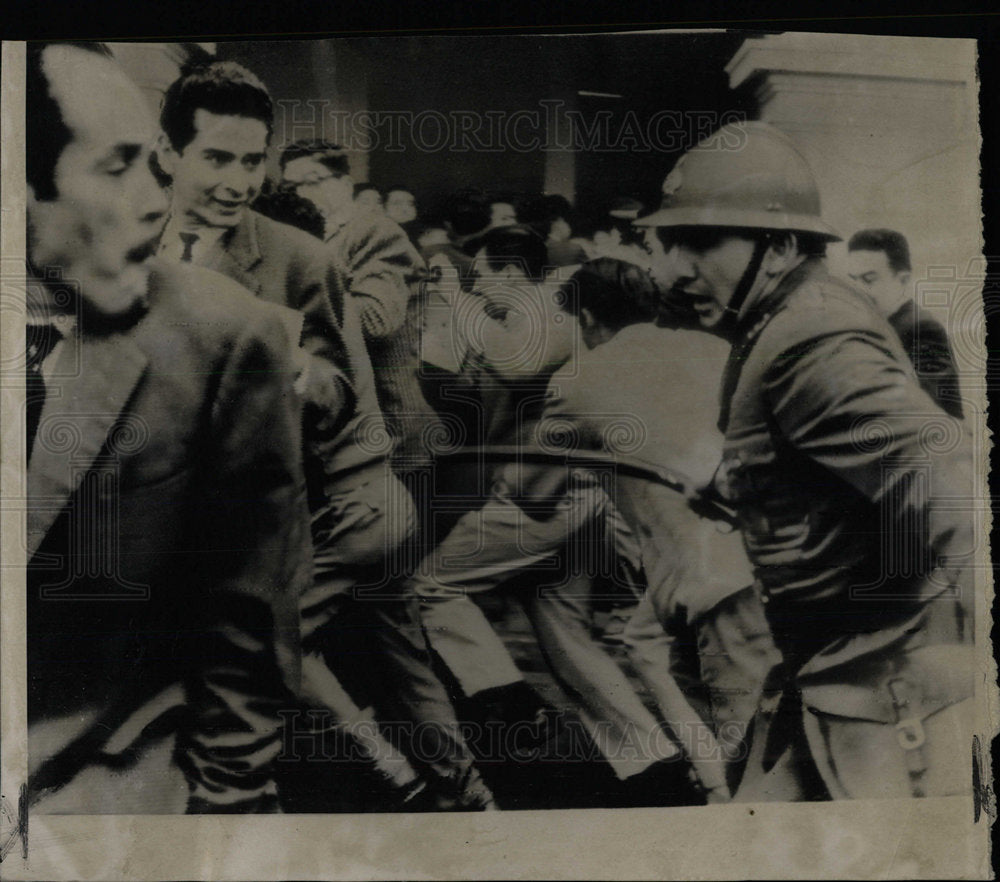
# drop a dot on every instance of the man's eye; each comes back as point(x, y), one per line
point(117, 170)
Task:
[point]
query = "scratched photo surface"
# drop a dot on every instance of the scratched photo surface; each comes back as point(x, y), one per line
point(461, 427)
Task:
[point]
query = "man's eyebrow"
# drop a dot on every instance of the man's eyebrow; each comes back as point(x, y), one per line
point(222, 154)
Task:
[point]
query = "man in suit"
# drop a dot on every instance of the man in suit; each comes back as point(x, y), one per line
point(383, 269)
point(217, 123)
point(167, 532)
point(880, 264)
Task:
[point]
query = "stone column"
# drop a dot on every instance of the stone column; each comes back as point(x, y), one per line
point(890, 128)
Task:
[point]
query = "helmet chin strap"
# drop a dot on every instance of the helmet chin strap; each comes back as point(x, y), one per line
point(732, 311)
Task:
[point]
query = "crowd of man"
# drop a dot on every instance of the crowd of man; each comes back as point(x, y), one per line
point(285, 440)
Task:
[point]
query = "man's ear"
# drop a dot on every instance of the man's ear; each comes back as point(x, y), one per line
point(587, 320)
point(781, 253)
point(166, 156)
point(904, 277)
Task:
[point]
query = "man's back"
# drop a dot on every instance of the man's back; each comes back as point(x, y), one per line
point(652, 394)
point(926, 342)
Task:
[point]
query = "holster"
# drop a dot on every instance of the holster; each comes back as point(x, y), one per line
point(895, 724)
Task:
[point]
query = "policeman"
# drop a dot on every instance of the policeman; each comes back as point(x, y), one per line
point(847, 478)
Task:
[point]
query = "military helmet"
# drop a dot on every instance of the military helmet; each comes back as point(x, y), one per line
point(745, 175)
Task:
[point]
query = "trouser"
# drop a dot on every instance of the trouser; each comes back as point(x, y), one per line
point(887, 713)
point(706, 677)
point(363, 649)
point(554, 561)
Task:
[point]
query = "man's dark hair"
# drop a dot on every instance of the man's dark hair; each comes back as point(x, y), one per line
point(617, 293)
point(223, 87)
point(519, 245)
point(892, 244)
point(286, 207)
point(46, 132)
point(466, 213)
point(327, 153)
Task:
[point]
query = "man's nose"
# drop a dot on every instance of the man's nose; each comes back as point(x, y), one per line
point(236, 179)
point(680, 263)
point(150, 199)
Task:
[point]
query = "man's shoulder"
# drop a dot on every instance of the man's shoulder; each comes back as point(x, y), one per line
point(276, 239)
point(375, 231)
point(822, 308)
point(910, 319)
point(206, 302)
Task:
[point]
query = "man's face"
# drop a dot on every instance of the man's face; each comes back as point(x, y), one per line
point(369, 201)
point(108, 213)
point(400, 206)
point(658, 262)
point(218, 174)
point(443, 279)
point(871, 270)
point(502, 214)
point(707, 273)
point(332, 193)
point(508, 288)
point(560, 230)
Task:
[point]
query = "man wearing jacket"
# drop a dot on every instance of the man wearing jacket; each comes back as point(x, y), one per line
point(217, 123)
point(880, 263)
point(697, 638)
point(167, 531)
point(851, 486)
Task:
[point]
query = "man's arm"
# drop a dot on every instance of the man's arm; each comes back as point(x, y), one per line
point(847, 403)
point(383, 265)
point(255, 559)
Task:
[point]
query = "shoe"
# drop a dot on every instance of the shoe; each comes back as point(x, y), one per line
point(665, 783)
point(507, 722)
point(468, 794)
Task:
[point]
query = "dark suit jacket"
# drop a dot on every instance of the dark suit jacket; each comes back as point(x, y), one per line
point(926, 342)
point(287, 266)
point(167, 539)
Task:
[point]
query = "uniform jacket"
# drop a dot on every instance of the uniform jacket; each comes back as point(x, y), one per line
point(167, 539)
point(847, 477)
